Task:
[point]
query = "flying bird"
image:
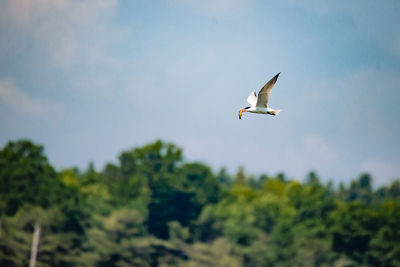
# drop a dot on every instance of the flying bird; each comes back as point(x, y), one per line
point(260, 104)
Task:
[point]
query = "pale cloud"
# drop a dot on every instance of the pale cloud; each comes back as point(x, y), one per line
point(319, 8)
point(24, 11)
point(315, 153)
point(359, 109)
point(364, 101)
point(369, 100)
point(195, 147)
point(66, 31)
point(383, 171)
point(80, 12)
point(396, 46)
point(215, 7)
point(320, 149)
point(13, 97)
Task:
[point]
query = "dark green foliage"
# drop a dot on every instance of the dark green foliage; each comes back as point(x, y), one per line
point(169, 204)
point(26, 177)
point(154, 209)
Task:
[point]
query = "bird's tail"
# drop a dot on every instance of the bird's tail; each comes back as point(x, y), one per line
point(274, 111)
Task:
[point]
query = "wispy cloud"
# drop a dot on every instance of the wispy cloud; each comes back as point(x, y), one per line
point(77, 12)
point(396, 46)
point(315, 153)
point(16, 99)
point(320, 149)
point(216, 7)
point(66, 31)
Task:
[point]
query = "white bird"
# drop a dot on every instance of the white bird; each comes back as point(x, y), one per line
point(260, 104)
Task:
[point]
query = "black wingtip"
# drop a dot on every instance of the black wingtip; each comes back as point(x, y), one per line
point(275, 78)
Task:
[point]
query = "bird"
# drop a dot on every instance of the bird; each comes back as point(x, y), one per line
point(260, 104)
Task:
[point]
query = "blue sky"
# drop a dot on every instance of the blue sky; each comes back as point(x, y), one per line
point(89, 79)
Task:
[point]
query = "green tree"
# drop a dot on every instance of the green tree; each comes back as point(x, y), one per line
point(26, 177)
point(384, 247)
point(55, 247)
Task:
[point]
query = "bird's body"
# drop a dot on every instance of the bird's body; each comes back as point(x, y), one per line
point(259, 104)
point(262, 110)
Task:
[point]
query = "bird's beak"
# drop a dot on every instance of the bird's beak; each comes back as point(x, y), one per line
point(240, 113)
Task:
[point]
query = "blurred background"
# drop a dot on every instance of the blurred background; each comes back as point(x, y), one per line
point(121, 145)
point(88, 79)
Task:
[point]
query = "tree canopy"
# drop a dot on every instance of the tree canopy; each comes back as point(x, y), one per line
point(153, 208)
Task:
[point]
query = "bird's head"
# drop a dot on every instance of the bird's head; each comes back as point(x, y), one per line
point(241, 111)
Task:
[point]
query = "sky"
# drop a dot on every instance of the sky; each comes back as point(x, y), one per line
point(90, 79)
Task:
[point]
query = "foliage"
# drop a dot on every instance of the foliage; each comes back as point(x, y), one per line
point(26, 177)
point(152, 208)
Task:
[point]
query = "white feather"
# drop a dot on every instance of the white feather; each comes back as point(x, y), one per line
point(252, 99)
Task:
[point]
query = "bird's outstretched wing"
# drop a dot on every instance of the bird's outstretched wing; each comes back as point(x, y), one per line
point(264, 93)
point(252, 99)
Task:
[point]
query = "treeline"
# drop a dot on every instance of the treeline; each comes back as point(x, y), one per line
point(153, 208)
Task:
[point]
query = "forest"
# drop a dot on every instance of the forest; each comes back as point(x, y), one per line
point(154, 208)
